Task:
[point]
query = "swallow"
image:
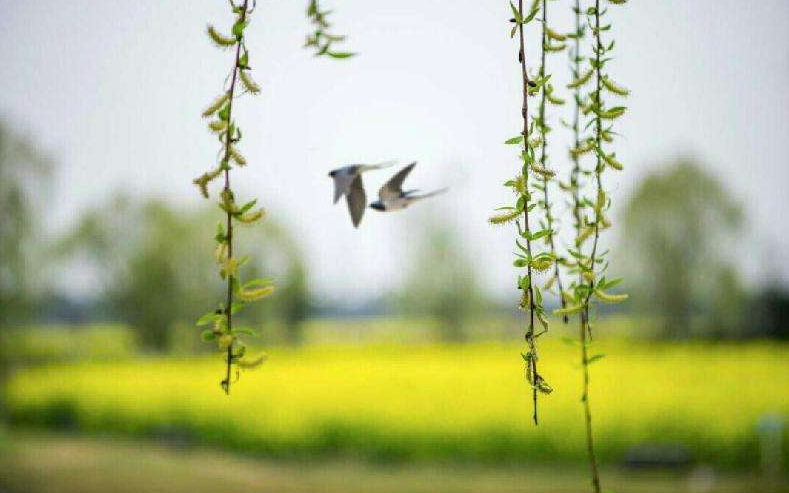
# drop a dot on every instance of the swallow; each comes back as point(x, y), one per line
point(391, 196)
point(348, 182)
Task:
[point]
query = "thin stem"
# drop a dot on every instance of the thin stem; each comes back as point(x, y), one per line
point(525, 113)
point(574, 176)
point(229, 224)
point(587, 406)
point(544, 137)
point(585, 329)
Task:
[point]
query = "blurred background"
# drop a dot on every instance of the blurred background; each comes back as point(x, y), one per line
point(394, 349)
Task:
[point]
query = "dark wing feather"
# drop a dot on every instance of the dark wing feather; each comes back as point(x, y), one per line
point(394, 187)
point(357, 201)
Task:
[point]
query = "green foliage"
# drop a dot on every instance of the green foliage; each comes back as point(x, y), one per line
point(442, 283)
point(321, 40)
point(160, 251)
point(587, 264)
point(676, 224)
point(24, 176)
point(532, 189)
point(229, 133)
point(57, 344)
point(527, 260)
point(543, 171)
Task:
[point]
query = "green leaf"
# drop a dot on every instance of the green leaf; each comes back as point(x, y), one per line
point(340, 54)
point(516, 13)
point(243, 62)
point(207, 318)
point(264, 281)
point(514, 140)
point(531, 15)
point(520, 262)
point(609, 284)
point(244, 331)
point(224, 113)
point(207, 335)
point(540, 234)
point(238, 28)
point(247, 206)
point(239, 350)
point(596, 357)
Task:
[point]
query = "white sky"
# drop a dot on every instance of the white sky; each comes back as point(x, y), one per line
point(113, 91)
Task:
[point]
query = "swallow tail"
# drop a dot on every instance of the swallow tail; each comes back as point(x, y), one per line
point(429, 194)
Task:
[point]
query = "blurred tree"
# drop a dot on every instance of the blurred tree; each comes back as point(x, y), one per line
point(282, 260)
point(154, 277)
point(24, 173)
point(771, 308)
point(441, 283)
point(677, 239)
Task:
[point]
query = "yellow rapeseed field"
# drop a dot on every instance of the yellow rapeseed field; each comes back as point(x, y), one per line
point(466, 402)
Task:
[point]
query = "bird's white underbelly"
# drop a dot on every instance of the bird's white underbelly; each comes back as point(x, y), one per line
point(396, 204)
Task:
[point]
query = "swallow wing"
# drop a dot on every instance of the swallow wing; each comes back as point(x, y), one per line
point(393, 188)
point(357, 201)
point(381, 165)
point(342, 183)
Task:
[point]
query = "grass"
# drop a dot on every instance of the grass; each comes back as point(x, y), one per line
point(428, 402)
point(62, 464)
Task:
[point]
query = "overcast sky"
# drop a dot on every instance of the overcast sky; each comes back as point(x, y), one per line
point(113, 91)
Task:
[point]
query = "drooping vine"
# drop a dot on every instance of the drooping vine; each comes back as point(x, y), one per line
point(321, 40)
point(222, 124)
point(552, 42)
point(239, 82)
point(521, 213)
point(590, 212)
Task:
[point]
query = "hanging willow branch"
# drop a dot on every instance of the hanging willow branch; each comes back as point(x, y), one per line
point(321, 40)
point(238, 83)
point(521, 213)
point(591, 284)
point(221, 331)
point(552, 42)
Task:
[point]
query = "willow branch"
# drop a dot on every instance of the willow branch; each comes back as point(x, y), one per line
point(543, 150)
point(530, 288)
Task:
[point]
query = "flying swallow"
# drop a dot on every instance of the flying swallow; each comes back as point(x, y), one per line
point(391, 196)
point(348, 182)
